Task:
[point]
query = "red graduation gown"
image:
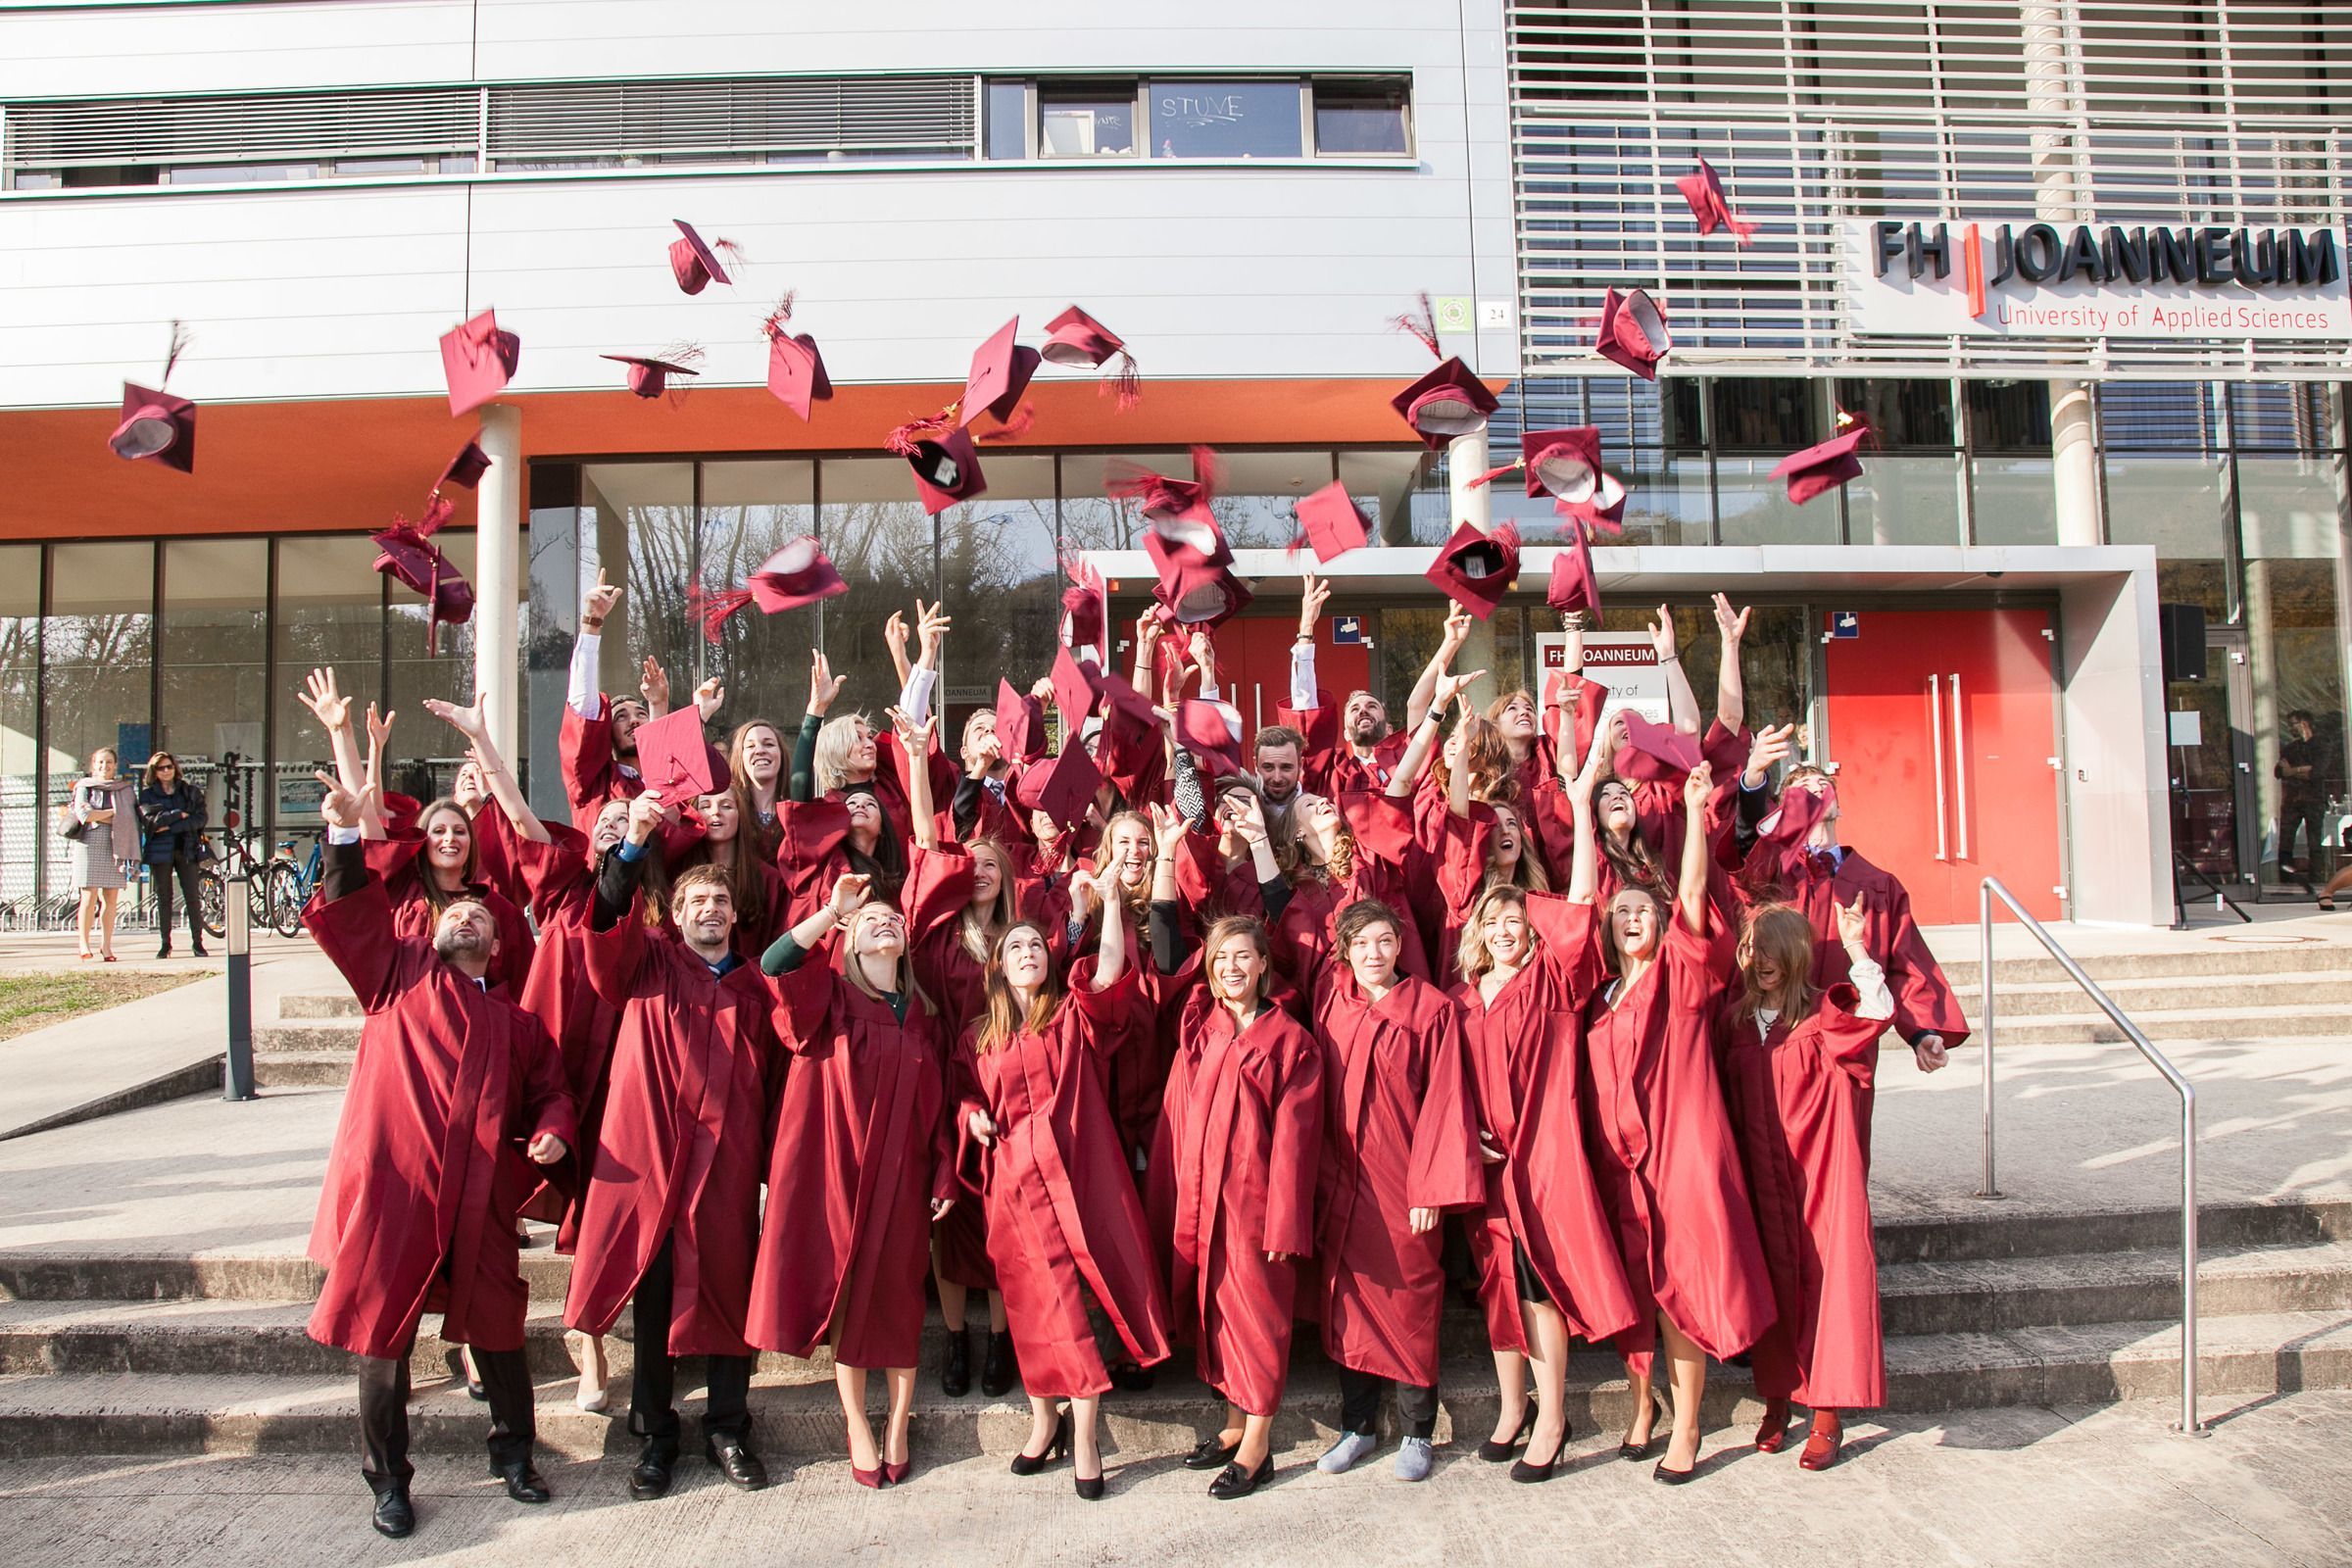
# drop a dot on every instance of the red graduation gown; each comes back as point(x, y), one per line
point(1329, 766)
point(684, 1141)
point(591, 775)
point(417, 1209)
point(1526, 1062)
point(1662, 1152)
point(1799, 1104)
point(957, 985)
point(863, 1146)
point(1232, 1179)
point(399, 862)
point(1399, 1134)
point(1062, 1213)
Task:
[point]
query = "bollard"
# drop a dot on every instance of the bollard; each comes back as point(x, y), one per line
point(236, 922)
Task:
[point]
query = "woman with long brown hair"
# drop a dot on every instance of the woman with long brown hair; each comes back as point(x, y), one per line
point(1797, 1071)
point(755, 771)
point(1233, 1172)
point(1062, 1215)
point(863, 1165)
point(755, 885)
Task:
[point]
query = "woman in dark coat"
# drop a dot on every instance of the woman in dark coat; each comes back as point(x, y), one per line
point(172, 814)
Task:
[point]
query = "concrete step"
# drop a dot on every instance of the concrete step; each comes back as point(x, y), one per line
point(310, 1038)
point(319, 1004)
point(1991, 1231)
point(2198, 993)
point(308, 1069)
point(2230, 954)
point(797, 1415)
point(2281, 1021)
point(1991, 1295)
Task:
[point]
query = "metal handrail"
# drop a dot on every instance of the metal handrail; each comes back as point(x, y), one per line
point(1987, 891)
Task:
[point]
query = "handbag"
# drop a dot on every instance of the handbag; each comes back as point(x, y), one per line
point(70, 824)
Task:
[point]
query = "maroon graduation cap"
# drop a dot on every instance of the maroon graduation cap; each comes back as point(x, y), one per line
point(1654, 751)
point(1118, 696)
point(1562, 462)
point(156, 424)
point(1195, 594)
point(467, 468)
point(1020, 724)
point(1176, 512)
point(1332, 522)
point(797, 574)
point(479, 358)
point(945, 463)
point(1476, 569)
point(405, 551)
point(1082, 604)
point(1074, 689)
point(1703, 190)
point(1076, 338)
point(1574, 584)
point(1823, 468)
point(1448, 402)
point(1212, 732)
point(673, 758)
point(796, 370)
point(999, 373)
point(649, 378)
point(1792, 823)
point(1063, 788)
point(1632, 332)
point(1604, 511)
point(694, 259)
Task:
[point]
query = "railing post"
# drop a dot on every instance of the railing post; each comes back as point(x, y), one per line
point(1989, 1189)
point(2189, 1423)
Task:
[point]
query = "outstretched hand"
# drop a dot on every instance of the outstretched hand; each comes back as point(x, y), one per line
point(1696, 787)
point(849, 891)
point(1731, 627)
point(467, 721)
point(1773, 746)
point(1313, 594)
point(339, 806)
point(823, 684)
point(1853, 922)
point(598, 602)
point(1662, 635)
point(653, 684)
point(326, 704)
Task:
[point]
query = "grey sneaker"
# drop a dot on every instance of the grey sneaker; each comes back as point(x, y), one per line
point(1415, 1460)
point(1351, 1450)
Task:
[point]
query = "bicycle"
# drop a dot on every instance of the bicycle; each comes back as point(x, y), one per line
point(289, 884)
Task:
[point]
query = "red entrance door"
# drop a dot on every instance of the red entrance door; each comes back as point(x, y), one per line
point(1943, 725)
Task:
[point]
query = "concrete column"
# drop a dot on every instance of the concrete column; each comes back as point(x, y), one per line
point(1465, 460)
point(2060, 196)
point(2074, 463)
point(498, 574)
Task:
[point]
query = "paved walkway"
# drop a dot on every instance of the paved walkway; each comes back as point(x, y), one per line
point(2017, 1487)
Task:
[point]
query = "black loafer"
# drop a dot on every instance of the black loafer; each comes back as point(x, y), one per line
point(650, 1478)
point(1210, 1455)
point(734, 1458)
point(395, 1514)
point(522, 1482)
point(1000, 1371)
point(1235, 1482)
point(956, 1367)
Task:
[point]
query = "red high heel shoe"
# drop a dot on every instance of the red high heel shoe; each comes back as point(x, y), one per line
point(1772, 1433)
point(865, 1478)
point(896, 1474)
point(1826, 1440)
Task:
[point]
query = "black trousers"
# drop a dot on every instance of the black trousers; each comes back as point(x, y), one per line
point(185, 871)
point(384, 1411)
point(2310, 814)
point(1359, 1403)
point(654, 1383)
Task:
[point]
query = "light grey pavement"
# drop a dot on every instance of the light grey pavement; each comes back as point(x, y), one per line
point(2017, 1487)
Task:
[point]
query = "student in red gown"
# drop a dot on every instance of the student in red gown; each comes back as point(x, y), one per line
point(756, 764)
point(1064, 1219)
point(1355, 747)
point(1797, 1071)
point(1233, 1173)
point(413, 1216)
point(753, 884)
point(1661, 1147)
point(863, 1163)
point(598, 746)
point(1400, 1147)
point(670, 1215)
point(1548, 1262)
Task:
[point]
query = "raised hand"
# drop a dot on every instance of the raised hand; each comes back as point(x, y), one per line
point(932, 626)
point(1245, 814)
point(1147, 630)
point(708, 697)
point(1696, 786)
point(1042, 691)
point(1450, 687)
point(653, 684)
point(380, 730)
point(1773, 746)
point(1313, 594)
point(645, 814)
point(339, 806)
point(1853, 922)
point(916, 738)
point(466, 721)
point(1662, 635)
point(1457, 632)
point(326, 704)
point(823, 684)
point(849, 891)
point(894, 634)
point(1167, 829)
point(1731, 627)
point(598, 602)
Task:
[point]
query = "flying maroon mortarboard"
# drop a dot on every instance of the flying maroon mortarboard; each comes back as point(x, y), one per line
point(1176, 512)
point(1020, 724)
point(1449, 400)
point(1574, 584)
point(1074, 690)
point(796, 370)
point(1790, 824)
point(649, 376)
point(797, 574)
point(1476, 569)
point(406, 552)
point(1564, 464)
point(1332, 522)
point(1193, 593)
point(694, 259)
point(1212, 732)
point(478, 357)
point(1118, 696)
point(1703, 190)
point(467, 468)
point(1654, 751)
point(1632, 332)
point(674, 758)
point(1063, 788)
point(1083, 604)
point(156, 424)
point(1000, 372)
point(1825, 466)
point(942, 460)
point(1602, 512)
point(1076, 338)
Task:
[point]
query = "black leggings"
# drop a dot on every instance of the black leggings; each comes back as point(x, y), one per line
point(184, 870)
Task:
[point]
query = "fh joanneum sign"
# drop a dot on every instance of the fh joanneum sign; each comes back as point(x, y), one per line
point(2138, 280)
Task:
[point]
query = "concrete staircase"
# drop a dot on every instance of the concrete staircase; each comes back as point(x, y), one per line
point(312, 1043)
point(122, 1354)
point(2218, 993)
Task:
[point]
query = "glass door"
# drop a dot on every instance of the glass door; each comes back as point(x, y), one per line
point(2210, 762)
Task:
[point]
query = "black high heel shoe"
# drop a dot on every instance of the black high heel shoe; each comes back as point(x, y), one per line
point(1630, 1451)
point(1529, 1472)
point(1496, 1453)
point(1090, 1488)
point(1029, 1464)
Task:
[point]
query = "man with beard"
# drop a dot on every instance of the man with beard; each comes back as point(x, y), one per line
point(672, 1211)
point(1362, 750)
point(414, 1215)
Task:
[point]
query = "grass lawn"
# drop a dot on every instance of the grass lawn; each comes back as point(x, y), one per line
point(30, 1001)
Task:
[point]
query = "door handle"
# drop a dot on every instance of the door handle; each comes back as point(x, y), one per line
point(1959, 769)
point(1935, 742)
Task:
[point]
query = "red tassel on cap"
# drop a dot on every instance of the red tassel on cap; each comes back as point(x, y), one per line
point(907, 437)
point(438, 509)
point(712, 607)
point(782, 316)
point(1128, 384)
point(1422, 322)
point(1017, 426)
point(181, 337)
point(1493, 474)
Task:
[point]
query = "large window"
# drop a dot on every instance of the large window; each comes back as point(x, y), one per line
point(1225, 118)
point(20, 787)
point(98, 664)
point(750, 511)
point(330, 613)
point(2288, 529)
point(214, 651)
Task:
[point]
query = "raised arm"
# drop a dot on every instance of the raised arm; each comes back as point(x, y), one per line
point(1313, 594)
point(1681, 703)
point(1111, 954)
point(917, 683)
point(823, 687)
point(784, 955)
point(1731, 692)
point(915, 739)
point(327, 704)
point(371, 805)
point(894, 638)
point(496, 777)
point(1450, 645)
point(1426, 728)
point(1147, 647)
point(582, 692)
point(1583, 869)
point(1691, 898)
